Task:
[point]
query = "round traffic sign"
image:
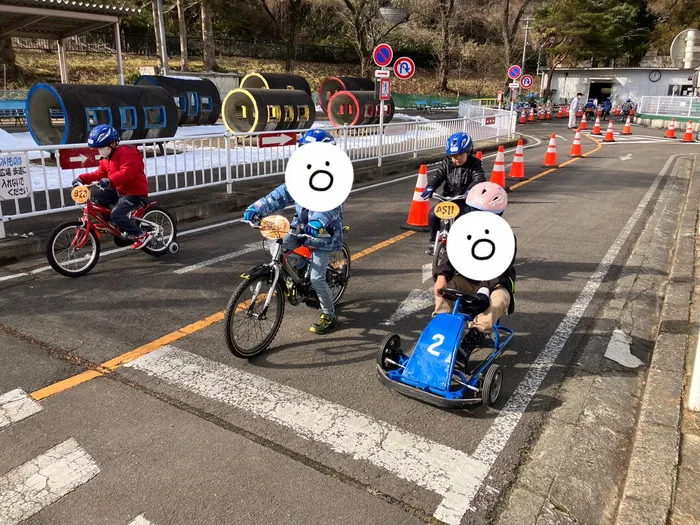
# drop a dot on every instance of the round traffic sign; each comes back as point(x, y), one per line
point(526, 81)
point(404, 68)
point(514, 72)
point(383, 54)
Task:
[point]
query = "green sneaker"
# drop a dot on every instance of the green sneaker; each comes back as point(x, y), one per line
point(324, 324)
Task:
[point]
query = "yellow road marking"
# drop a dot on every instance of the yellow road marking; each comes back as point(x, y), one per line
point(113, 364)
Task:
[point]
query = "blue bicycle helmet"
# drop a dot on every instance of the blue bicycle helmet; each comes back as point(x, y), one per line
point(316, 135)
point(459, 143)
point(102, 135)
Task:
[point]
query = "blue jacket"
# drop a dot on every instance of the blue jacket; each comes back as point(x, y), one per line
point(332, 220)
point(607, 105)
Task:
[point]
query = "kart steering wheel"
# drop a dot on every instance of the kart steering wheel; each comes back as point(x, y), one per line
point(468, 301)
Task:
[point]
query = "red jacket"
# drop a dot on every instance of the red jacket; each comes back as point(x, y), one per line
point(125, 171)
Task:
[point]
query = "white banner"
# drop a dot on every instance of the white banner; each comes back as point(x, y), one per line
point(14, 176)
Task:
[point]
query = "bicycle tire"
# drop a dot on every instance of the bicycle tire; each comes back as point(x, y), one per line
point(51, 256)
point(233, 309)
point(346, 274)
point(162, 249)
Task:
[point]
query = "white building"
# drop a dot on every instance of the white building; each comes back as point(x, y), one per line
point(619, 83)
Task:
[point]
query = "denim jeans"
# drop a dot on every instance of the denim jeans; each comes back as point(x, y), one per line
point(319, 265)
point(120, 212)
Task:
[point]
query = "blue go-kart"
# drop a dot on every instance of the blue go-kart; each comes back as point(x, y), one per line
point(433, 373)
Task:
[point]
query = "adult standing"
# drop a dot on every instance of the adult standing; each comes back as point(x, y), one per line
point(573, 109)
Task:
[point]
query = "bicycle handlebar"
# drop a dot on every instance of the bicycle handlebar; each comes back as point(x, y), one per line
point(448, 199)
point(257, 226)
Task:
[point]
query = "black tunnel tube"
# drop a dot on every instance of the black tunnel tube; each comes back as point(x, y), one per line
point(275, 81)
point(332, 85)
point(198, 100)
point(251, 110)
point(357, 108)
point(65, 113)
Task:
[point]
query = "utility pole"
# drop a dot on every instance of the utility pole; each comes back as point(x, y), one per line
point(527, 28)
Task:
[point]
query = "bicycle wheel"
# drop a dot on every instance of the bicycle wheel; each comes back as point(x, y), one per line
point(65, 257)
point(246, 333)
point(159, 244)
point(338, 272)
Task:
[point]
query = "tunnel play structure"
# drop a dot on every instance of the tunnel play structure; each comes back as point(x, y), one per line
point(357, 108)
point(269, 102)
point(198, 101)
point(65, 113)
point(332, 85)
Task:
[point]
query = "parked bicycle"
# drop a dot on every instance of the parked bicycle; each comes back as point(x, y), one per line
point(73, 248)
point(254, 313)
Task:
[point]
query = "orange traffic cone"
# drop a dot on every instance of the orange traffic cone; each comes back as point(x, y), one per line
point(609, 136)
point(550, 159)
point(541, 114)
point(498, 176)
point(576, 150)
point(517, 169)
point(671, 131)
point(560, 113)
point(579, 113)
point(523, 119)
point(688, 137)
point(479, 155)
point(567, 112)
point(420, 208)
point(548, 116)
point(618, 111)
point(531, 118)
point(627, 130)
point(599, 113)
point(596, 127)
point(584, 124)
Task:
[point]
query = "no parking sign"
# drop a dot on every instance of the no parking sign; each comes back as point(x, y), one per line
point(514, 72)
point(383, 55)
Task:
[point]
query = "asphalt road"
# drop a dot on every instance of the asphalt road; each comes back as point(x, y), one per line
point(304, 433)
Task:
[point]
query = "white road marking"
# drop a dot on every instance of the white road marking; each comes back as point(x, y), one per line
point(626, 157)
point(416, 301)
point(502, 428)
point(140, 520)
point(618, 350)
point(436, 467)
point(694, 393)
point(562, 138)
point(248, 248)
point(15, 406)
point(426, 272)
point(27, 489)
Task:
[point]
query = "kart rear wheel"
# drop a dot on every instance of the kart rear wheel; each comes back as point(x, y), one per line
point(492, 385)
point(389, 348)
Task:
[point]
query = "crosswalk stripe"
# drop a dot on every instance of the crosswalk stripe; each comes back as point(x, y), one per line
point(451, 473)
point(27, 489)
point(140, 520)
point(16, 405)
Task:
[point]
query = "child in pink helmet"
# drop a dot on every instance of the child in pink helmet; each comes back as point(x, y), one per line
point(500, 292)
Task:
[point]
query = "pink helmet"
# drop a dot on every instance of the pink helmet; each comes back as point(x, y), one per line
point(488, 196)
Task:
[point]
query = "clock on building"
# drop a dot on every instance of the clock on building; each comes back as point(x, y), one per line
point(655, 76)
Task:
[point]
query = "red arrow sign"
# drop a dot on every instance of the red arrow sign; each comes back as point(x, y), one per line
point(79, 158)
point(277, 139)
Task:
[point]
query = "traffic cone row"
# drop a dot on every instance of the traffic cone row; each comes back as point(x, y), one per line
point(420, 207)
point(688, 137)
point(576, 149)
point(671, 131)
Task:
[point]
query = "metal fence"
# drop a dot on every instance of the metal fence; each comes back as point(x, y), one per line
point(684, 107)
point(191, 162)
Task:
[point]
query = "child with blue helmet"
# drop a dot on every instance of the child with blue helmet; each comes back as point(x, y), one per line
point(460, 172)
point(313, 223)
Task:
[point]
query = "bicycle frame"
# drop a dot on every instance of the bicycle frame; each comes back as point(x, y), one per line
point(93, 220)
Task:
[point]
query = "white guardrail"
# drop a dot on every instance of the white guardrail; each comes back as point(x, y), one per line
point(183, 163)
point(685, 107)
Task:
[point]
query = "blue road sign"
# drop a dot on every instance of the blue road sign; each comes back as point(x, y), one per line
point(514, 72)
point(526, 81)
point(383, 54)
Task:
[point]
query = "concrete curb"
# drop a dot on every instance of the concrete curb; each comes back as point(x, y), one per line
point(198, 204)
point(647, 497)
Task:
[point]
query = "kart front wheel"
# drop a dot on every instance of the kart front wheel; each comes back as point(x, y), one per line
point(388, 352)
point(492, 385)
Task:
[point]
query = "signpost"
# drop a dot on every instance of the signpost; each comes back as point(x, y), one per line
point(71, 159)
point(514, 73)
point(277, 139)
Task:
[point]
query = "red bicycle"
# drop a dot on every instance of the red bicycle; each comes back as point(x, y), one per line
point(74, 247)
